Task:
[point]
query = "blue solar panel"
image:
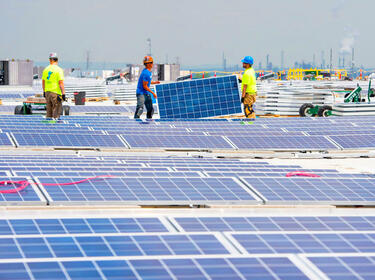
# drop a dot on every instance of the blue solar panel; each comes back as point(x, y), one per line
point(110, 246)
point(270, 168)
point(83, 225)
point(67, 140)
point(107, 170)
point(315, 190)
point(148, 191)
point(88, 174)
point(286, 223)
point(355, 142)
point(235, 268)
point(28, 196)
point(4, 140)
point(282, 142)
point(283, 174)
point(98, 109)
point(298, 243)
point(174, 141)
point(199, 98)
point(346, 267)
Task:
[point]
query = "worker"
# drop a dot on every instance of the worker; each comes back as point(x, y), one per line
point(53, 87)
point(143, 89)
point(249, 87)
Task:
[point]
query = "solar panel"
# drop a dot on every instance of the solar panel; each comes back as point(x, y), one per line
point(281, 223)
point(154, 191)
point(81, 246)
point(107, 170)
point(98, 109)
point(175, 141)
point(271, 168)
point(282, 143)
point(299, 243)
point(199, 98)
point(355, 142)
point(265, 268)
point(5, 140)
point(28, 196)
point(346, 267)
point(314, 190)
point(80, 226)
point(67, 140)
point(87, 174)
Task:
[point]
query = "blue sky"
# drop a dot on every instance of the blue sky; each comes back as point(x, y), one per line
point(198, 32)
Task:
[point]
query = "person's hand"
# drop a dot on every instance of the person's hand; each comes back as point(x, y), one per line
point(63, 97)
point(155, 96)
point(157, 82)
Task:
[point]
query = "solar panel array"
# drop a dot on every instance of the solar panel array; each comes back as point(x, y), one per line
point(120, 132)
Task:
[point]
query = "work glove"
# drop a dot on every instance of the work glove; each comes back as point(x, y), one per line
point(63, 97)
point(242, 99)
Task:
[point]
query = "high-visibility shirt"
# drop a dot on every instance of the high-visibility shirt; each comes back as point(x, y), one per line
point(52, 74)
point(249, 79)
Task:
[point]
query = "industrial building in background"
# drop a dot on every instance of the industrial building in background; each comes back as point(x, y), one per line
point(160, 72)
point(16, 72)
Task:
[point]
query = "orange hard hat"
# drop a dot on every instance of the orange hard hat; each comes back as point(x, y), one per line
point(148, 59)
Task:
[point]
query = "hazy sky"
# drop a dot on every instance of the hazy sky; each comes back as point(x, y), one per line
point(196, 31)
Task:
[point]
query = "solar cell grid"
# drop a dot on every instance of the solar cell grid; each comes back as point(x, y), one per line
point(299, 243)
point(159, 269)
point(28, 196)
point(315, 190)
point(80, 226)
point(283, 174)
point(147, 190)
point(67, 140)
point(4, 140)
point(106, 169)
point(184, 142)
point(282, 142)
point(194, 99)
point(110, 246)
point(281, 223)
point(346, 267)
point(87, 174)
point(357, 142)
point(268, 168)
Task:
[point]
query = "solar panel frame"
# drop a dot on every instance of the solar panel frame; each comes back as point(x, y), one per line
point(303, 223)
point(165, 268)
point(174, 191)
point(194, 99)
point(319, 191)
point(21, 198)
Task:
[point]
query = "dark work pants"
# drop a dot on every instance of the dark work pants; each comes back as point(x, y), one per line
point(144, 100)
point(53, 104)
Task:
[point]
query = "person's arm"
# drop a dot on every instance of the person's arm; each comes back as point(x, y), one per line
point(62, 87)
point(155, 82)
point(145, 86)
point(44, 86)
point(244, 91)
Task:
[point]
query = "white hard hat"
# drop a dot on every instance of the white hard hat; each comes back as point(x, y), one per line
point(53, 55)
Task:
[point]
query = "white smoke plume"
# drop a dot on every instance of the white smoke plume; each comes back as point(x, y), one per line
point(347, 43)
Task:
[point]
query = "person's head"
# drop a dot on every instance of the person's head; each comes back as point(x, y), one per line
point(247, 62)
point(148, 62)
point(53, 58)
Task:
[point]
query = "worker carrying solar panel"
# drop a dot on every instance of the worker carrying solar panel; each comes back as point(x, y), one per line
point(249, 87)
point(143, 89)
point(53, 87)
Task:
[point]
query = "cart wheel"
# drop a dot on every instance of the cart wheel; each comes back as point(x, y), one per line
point(304, 110)
point(28, 110)
point(18, 110)
point(324, 111)
point(66, 110)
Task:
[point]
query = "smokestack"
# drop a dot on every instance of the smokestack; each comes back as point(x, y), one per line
point(330, 60)
point(352, 59)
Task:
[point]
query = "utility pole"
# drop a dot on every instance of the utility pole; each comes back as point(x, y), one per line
point(352, 59)
point(149, 47)
point(323, 61)
point(224, 63)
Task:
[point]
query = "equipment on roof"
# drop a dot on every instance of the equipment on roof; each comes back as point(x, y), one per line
point(36, 104)
point(355, 96)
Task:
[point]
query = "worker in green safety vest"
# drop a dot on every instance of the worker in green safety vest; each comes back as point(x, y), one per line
point(249, 87)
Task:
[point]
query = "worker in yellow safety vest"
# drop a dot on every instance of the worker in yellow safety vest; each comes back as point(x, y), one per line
point(249, 87)
point(53, 87)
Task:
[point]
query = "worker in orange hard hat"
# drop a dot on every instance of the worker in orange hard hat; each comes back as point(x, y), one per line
point(143, 89)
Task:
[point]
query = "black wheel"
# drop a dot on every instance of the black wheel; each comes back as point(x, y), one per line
point(324, 111)
point(28, 110)
point(304, 110)
point(18, 110)
point(66, 110)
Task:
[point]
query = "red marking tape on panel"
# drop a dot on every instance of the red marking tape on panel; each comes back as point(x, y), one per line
point(301, 173)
